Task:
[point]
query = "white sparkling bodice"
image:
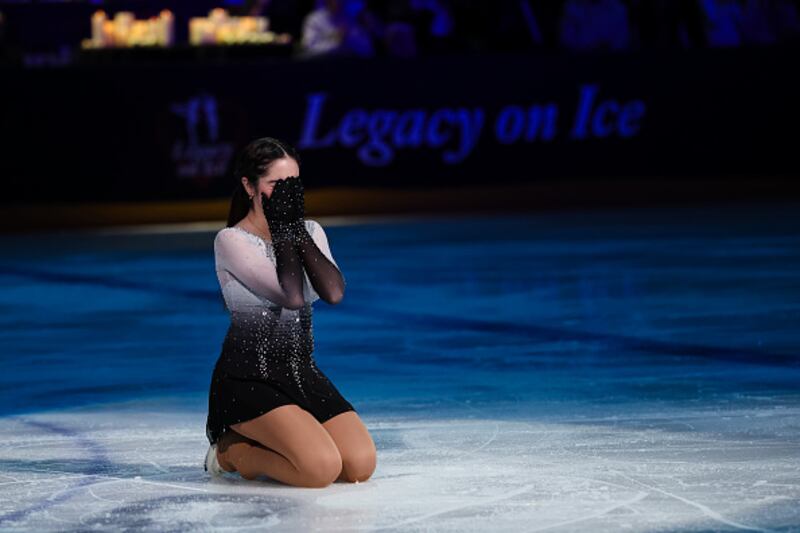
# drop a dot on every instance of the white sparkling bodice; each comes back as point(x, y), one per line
point(245, 266)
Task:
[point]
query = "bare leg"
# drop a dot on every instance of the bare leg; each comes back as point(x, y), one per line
point(286, 444)
point(355, 445)
point(237, 453)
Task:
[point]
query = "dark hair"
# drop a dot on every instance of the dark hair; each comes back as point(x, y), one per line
point(253, 162)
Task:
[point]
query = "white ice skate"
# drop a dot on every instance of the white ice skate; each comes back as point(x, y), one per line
point(212, 464)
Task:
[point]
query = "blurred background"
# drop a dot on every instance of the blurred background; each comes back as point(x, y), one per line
point(129, 112)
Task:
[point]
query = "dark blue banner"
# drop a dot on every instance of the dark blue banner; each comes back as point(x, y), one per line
point(168, 131)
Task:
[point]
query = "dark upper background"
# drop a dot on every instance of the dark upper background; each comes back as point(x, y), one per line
point(716, 79)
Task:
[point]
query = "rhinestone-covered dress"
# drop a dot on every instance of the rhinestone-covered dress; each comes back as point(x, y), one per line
point(267, 355)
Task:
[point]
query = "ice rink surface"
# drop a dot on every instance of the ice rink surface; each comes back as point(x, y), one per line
point(628, 370)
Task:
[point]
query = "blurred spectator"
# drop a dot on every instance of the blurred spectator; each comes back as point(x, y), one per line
point(407, 28)
point(595, 24)
point(394, 28)
point(546, 20)
point(503, 26)
point(769, 21)
point(667, 23)
point(336, 27)
point(400, 39)
point(724, 19)
point(436, 34)
point(516, 26)
point(285, 16)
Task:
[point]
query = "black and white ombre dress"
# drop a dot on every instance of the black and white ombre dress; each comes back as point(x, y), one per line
point(267, 355)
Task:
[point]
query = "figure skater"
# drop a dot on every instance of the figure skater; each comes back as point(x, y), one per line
point(271, 410)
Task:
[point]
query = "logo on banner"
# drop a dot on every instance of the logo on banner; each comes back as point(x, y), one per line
point(199, 153)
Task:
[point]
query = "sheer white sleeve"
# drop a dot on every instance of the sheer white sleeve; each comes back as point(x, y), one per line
point(246, 259)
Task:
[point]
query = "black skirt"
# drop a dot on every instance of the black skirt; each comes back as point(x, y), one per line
point(266, 362)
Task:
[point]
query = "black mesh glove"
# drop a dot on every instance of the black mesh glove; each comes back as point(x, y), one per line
point(288, 215)
point(325, 277)
point(285, 210)
point(281, 212)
